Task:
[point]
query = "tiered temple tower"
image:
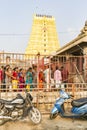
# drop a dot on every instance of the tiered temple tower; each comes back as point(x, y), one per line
point(43, 38)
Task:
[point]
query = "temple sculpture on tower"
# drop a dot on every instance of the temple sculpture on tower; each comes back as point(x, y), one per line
point(43, 37)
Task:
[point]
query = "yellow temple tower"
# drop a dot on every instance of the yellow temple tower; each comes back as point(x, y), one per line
point(43, 38)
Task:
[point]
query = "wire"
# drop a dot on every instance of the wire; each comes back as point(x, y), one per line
point(6, 34)
point(25, 34)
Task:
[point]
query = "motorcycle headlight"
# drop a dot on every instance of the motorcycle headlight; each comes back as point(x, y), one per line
point(30, 97)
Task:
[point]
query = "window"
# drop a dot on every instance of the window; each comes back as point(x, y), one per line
point(44, 39)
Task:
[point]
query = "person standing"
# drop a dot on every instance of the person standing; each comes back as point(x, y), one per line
point(57, 77)
point(21, 79)
point(65, 74)
point(15, 78)
point(1, 77)
point(8, 78)
point(29, 79)
point(47, 76)
point(41, 80)
point(34, 72)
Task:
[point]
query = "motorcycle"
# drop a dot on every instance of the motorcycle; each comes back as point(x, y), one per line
point(19, 108)
point(78, 110)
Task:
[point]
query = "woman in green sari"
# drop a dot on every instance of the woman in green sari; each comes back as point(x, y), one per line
point(29, 78)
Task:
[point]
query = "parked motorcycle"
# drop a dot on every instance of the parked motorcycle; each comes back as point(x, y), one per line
point(78, 110)
point(19, 108)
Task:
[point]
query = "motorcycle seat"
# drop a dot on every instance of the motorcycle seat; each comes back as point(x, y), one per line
point(79, 102)
point(9, 102)
point(3, 101)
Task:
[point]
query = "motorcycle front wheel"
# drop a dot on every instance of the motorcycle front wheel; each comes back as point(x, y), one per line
point(84, 116)
point(35, 115)
point(52, 116)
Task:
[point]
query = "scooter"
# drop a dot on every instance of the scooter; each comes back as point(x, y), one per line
point(78, 110)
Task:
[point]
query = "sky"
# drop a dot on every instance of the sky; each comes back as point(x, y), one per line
point(16, 17)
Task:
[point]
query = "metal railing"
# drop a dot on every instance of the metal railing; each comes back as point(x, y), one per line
point(44, 98)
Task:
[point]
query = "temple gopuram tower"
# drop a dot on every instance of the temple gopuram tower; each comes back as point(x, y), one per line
point(43, 37)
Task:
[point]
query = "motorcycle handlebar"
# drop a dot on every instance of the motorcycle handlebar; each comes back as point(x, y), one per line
point(28, 95)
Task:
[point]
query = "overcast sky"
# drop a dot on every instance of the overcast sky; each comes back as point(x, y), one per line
point(16, 18)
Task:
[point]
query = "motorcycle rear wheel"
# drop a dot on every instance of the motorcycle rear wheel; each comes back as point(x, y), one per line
point(35, 115)
point(2, 121)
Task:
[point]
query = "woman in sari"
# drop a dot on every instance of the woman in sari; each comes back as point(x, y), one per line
point(29, 78)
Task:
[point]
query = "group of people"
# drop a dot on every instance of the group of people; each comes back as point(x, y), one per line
point(18, 78)
point(53, 78)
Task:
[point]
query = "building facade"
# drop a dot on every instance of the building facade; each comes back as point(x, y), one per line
point(74, 54)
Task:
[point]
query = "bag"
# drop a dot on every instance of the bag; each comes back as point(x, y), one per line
point(28, 87)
